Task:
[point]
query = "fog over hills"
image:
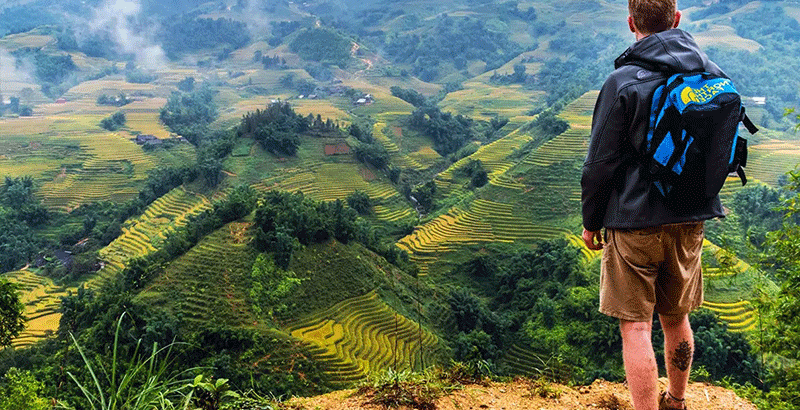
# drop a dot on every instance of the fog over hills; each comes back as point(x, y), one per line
point(299, 196)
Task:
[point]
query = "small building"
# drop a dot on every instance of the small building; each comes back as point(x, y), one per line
point(147, 139)
point(366, 99)
point(61, 100)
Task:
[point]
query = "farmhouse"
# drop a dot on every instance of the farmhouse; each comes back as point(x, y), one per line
point(365, 100)
point(147, 139)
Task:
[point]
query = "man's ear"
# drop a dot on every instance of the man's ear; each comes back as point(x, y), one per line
point(677, 19)
point(631, 25)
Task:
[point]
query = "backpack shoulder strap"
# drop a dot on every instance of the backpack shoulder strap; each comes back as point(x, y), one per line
point(748, 123)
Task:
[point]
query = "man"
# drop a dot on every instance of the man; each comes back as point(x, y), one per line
point(652, 251)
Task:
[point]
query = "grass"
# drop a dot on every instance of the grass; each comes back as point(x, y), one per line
point(416, 390)
point(210, 280)
point(144, 383)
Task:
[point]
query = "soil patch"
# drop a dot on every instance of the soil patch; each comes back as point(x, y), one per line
point(525, 394)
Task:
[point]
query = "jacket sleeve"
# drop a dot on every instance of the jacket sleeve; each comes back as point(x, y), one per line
point(609, 135)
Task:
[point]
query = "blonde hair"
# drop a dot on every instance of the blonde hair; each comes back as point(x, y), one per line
point(653, 16)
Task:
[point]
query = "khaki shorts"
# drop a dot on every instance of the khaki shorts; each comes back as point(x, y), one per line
point(652, 269)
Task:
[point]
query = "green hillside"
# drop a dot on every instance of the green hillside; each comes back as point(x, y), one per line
point(433, 151)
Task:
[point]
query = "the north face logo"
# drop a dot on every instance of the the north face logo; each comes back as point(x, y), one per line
point(703, 94)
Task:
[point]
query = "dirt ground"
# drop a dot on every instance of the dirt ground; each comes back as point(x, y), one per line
point(523, 394)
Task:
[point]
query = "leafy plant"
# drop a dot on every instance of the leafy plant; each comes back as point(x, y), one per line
point(19, 390)
point(544, 389)
point(416, 390)
point(12, 319)
point(209, 394)
point(142, 382)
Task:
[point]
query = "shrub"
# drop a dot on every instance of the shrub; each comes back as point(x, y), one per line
point(360, 201)
point(114, 122)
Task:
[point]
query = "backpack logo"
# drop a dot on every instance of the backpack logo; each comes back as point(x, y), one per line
point(704, 94)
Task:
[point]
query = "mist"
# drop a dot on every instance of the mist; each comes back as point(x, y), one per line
point(123, 20)
point(13, 78)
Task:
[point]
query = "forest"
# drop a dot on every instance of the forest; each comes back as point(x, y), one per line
point(339, 193)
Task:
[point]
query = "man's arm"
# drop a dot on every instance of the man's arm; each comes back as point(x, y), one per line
point(610, 125)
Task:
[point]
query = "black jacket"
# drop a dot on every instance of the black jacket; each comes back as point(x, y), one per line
point(616, 192)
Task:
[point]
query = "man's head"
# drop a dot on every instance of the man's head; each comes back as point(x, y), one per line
point(652, 16)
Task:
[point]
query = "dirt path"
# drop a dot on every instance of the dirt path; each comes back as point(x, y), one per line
point(522, 394)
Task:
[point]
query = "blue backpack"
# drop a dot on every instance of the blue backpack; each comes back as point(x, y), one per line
point(693, 141)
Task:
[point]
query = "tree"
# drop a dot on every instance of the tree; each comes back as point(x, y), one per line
point(360, 201)
point(374, 154)
point(12, 319)
point(784, 334)
point(186, 85)
point(270, 284)
point(114, 122)
point(19, 390)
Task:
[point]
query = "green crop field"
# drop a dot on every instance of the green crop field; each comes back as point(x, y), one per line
point(74, 160)
point(484, 101)
point(352, 312)
point(210, 280)
point(140, 236)
point(361, 336)
point(530, 199)
point(42, 301)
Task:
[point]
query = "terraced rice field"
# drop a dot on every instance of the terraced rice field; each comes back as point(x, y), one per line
point(140, 236)
point(493, 221)
point(381, 132)
point(723, 257)
point(739, 316)
point(331, 181)
point(209, 280)
point(770, 160)
point(75, 166)
point(493, 156)
point(484, 221)
point(144, 234)
point(42, 299)
point(581, 110)
point(734, 185)
point(363, 335)
point(426, 156)
point(393, 213)
point(573, 143)
point(483, 101)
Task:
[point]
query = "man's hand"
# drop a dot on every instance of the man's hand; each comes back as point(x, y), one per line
point(589, 238)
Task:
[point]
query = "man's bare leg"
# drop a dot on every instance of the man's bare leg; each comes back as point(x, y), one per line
point(678, 353)
point(641, 369)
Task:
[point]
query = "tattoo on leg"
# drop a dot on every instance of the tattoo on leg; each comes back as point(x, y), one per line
point(682, 357)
